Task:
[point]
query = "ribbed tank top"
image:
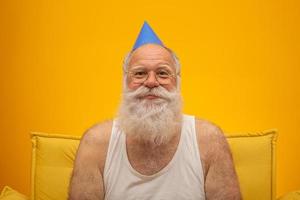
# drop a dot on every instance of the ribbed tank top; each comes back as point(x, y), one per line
point(181, 179)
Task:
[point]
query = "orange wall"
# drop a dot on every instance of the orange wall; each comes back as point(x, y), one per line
point(60, 69)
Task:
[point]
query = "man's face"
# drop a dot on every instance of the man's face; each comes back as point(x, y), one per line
point(151, 104)
point(153, 59)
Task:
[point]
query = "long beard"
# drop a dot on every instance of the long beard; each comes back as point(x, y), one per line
point(155, 120)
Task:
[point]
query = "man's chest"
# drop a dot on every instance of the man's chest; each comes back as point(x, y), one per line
point(148, 161)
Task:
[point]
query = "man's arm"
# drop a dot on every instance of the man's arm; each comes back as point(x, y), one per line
point(87, 181)
point(221, 179)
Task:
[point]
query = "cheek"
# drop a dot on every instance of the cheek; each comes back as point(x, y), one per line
point(169, 87)
point(172, 85)
point(131, 85)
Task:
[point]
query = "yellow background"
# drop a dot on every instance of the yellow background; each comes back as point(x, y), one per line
point(61, 69)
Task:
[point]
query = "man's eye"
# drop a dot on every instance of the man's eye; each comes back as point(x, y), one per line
point(163, 74)
point(139, 74)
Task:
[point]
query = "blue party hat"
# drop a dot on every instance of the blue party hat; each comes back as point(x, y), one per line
point(146, 36)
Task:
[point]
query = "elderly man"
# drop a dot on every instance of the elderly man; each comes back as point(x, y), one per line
point(152, 150)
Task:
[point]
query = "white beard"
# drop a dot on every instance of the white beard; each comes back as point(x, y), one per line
point(150, 120)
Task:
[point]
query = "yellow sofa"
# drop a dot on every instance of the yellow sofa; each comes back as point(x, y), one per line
point(53, 155)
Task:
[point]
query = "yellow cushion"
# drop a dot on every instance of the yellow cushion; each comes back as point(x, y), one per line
point(52, 164)
point(253, 154)
point(10, 194)
point(254, 159)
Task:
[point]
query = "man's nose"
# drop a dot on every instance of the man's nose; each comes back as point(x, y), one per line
point(151, 81)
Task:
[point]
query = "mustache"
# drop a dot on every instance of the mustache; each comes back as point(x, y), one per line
point(143, 91)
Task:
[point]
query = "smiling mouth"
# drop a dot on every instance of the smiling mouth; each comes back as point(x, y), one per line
point(150, 97)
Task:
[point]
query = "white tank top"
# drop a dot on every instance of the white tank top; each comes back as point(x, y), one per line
point(181, 179)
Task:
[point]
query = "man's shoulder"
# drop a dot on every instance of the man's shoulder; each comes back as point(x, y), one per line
point(210, 137)
point(94, 144)
point(220, 176)
point(98, 134)
point(208, 129)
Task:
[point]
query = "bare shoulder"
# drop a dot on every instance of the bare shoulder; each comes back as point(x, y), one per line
point(211, 141)
point(221, 181)
point(211, 136)
point(98, 133)
point(87, 177)
point(95, 142)
point(208, 130)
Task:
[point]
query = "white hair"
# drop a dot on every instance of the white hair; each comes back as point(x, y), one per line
point(175, 59)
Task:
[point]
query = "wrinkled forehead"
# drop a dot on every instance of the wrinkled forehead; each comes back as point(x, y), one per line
point(151, 54)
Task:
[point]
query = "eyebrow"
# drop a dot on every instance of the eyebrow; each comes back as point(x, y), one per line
point(160, 65)
point(165, 64)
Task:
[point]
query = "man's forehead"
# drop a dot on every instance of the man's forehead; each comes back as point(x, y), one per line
point(151, 52)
